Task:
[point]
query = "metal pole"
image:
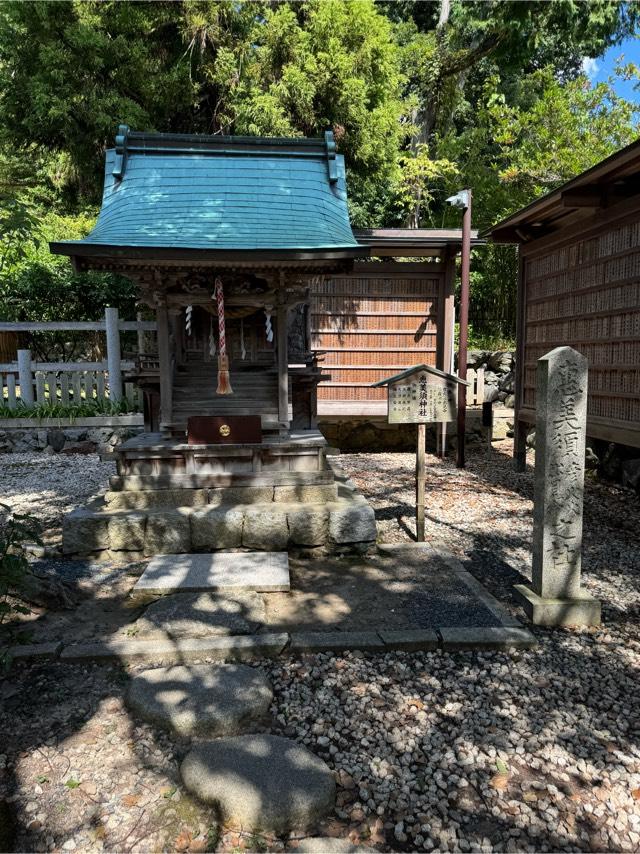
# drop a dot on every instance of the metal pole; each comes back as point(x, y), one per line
point(113, 353)
point(464, 327)
point(25, 376)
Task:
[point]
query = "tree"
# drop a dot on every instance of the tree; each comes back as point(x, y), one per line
point(70, 72)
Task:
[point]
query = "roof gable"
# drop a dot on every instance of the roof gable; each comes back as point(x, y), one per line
point(221, 193)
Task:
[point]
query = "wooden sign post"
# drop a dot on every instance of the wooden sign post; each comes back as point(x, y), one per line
point(421, 395)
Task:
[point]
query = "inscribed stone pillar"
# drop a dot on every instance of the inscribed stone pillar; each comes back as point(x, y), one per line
point(561, 416)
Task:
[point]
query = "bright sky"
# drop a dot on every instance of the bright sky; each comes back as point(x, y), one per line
point(600, 69)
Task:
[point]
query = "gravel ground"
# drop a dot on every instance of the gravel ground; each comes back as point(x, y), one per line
point(50, 486)
point(538, 751)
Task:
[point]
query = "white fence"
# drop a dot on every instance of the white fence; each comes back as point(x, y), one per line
point(475, 392)
point(29, 382)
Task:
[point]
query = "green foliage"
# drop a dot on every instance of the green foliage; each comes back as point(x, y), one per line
point(423, 98)
point(86, 409)
point(16, 530)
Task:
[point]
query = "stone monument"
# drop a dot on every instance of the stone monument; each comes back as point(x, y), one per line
point(556, 597)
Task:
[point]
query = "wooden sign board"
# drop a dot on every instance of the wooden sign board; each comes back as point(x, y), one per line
point(421, 395)
point(422, 398)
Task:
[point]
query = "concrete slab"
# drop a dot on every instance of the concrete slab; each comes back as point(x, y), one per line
point(485, 637)
point(235, 648)
point(411, 640)
point(335, 641)
point(583, 610)
point(227, 572)
point(25, 652)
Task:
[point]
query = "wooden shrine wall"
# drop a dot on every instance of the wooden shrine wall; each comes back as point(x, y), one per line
point(581, 287)
point(374, 322)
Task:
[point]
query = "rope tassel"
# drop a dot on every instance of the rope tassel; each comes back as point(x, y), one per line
point(224, 383)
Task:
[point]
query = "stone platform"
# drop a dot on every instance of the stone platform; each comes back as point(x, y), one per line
point(279, 495)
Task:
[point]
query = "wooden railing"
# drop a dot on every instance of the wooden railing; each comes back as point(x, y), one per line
point(29, 382)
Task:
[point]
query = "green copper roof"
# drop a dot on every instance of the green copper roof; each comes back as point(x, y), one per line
point(221, 193)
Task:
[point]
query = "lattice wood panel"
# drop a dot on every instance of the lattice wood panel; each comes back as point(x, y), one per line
point(586, 293)
point(369, 325)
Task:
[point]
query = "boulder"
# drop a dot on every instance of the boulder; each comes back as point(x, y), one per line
point(265, 529)
point(79, 448)
point(611, 465)
point(201, 699)
point(216, 528)
point(507, 382)
point(631, 474)
point(260, 782)
point(591, 459)
point(500, 362)
point(56, 440)
point(167, 532)
point(200, 615)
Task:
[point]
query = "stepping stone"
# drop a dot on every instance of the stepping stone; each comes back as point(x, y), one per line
point(228, 572)
point(260, 782)
point(202, 699)
point(202, 615)
point(329, 845)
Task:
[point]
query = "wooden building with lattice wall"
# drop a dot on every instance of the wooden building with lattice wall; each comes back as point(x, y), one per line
point(383, 316)
point(579, 285)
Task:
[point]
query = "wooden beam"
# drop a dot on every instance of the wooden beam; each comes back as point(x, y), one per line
point(166, 366)
point(582, 197)
point(282, 313)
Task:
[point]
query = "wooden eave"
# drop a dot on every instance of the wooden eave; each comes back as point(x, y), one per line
point(413, 242)
point(606, 184)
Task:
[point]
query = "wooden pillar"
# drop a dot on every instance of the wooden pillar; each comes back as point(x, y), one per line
point(447, 319)
point(283, 362)
point(421, 467)
point(166, 368)
point(25, 377)
point(113, 353)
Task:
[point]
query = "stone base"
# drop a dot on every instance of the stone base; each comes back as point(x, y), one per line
point(343, 525)
point(581, 611)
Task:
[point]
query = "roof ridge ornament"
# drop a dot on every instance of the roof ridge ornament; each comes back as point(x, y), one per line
point(330, 143)
point(121, 152)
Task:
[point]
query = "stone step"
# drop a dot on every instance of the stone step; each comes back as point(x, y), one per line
point(318, 493)
point(261, 527)
point(227, 572)
point(260, 782)
point(200, 615)
point(219, 481)
point(201, 699)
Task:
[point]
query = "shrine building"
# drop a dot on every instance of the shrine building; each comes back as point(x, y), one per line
point(270, 314)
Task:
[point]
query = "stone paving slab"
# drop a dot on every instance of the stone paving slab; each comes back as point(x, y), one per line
point(411, 640)
point(260, 782)
point(335, 641)
point(227, 572)
point(24, 652)
point(485, 637)
point(235, 648)
point(199, 615)
point(201, 699)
